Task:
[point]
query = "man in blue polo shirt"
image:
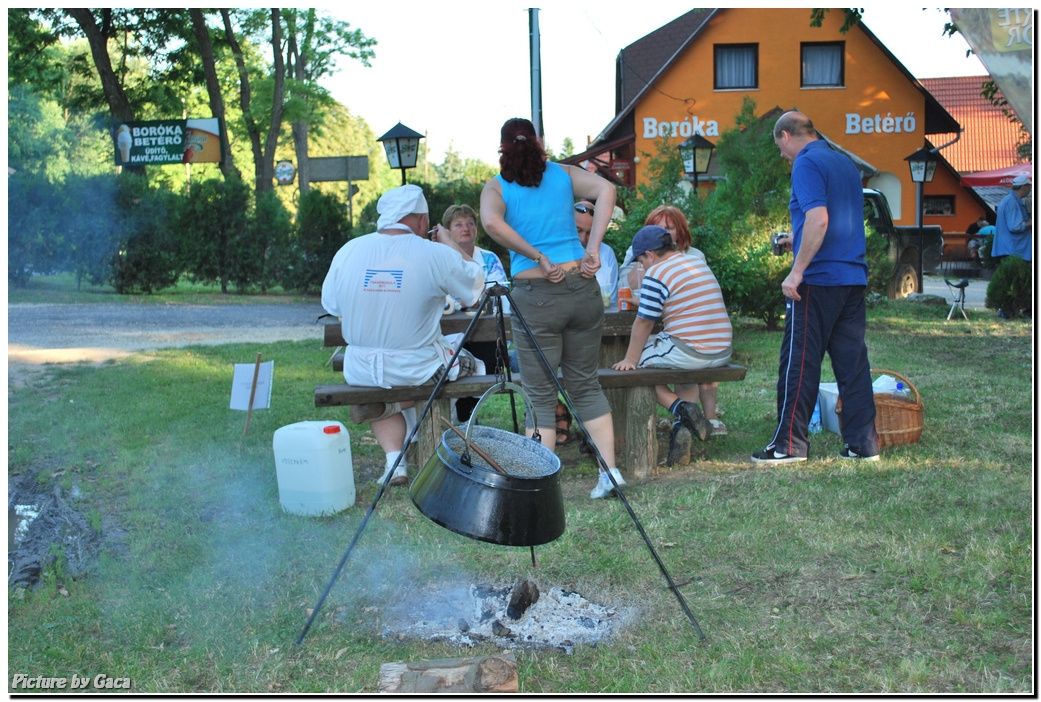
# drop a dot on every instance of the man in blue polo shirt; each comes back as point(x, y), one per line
point(825, 310)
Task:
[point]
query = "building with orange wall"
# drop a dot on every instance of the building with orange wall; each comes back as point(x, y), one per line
point(692, 75)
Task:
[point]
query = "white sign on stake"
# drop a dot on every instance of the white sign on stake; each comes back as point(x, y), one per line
point(242, 385)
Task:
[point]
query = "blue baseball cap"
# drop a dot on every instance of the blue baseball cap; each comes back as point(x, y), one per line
point(650, 238)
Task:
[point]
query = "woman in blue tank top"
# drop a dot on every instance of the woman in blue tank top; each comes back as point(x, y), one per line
point(528, 208)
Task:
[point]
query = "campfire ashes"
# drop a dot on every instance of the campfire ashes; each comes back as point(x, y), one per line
point(512, 616)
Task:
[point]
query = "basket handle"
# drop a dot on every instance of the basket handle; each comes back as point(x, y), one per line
point(908, 383)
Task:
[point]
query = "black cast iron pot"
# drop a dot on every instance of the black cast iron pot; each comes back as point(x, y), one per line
point(460, 491)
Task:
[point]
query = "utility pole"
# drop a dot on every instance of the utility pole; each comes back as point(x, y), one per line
point(536, 72)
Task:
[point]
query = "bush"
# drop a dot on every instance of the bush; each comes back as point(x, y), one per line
point(33, 218)
point(271, 230)
point(741, 214)
point(321, 229)
point(880, 268)
point(146, 257)
point(215, 234)
point(75, 225)
point(1011, 286)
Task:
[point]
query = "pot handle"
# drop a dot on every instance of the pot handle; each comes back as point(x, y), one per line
point(495, 390)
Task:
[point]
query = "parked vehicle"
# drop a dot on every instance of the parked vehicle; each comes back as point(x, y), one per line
point(904, 243)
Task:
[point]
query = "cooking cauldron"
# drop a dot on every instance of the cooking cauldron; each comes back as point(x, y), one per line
point(463, 493)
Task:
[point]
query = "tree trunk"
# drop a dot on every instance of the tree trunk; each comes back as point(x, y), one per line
point(297, 67)
point(266, 176)
point(303, 160)
point(202, 35)
point(245, 97)
point(118, 102)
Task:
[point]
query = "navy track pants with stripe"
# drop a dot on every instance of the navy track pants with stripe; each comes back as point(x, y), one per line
point(831, 320)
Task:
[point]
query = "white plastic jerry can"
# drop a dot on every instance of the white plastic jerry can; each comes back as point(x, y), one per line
point(314, 468)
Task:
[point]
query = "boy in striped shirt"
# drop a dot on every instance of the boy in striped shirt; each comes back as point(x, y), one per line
point(683, 293)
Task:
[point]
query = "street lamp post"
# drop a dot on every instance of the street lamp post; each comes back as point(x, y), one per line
point(923, 168)
point(696, 153)
point(402, 147)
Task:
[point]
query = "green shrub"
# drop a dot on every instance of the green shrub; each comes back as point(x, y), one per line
point(880, 268)
point(321, 229)
point(215, 234)
point(32, 225)
point(271, 230)
point(1011, 286)
point(741, 214)
point(147, 257)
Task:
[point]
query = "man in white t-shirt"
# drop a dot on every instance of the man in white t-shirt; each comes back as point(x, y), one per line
point(389, 288)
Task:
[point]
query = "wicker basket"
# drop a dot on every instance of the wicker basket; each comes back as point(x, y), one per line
point(897, 421)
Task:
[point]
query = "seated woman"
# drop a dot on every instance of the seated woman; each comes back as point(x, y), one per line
point(459, 223)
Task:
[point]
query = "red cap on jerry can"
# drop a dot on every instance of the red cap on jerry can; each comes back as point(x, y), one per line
point(332, 429)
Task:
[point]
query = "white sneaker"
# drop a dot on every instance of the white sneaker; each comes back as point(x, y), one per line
point(604, 487)
point(718, 428)
point(400, 476)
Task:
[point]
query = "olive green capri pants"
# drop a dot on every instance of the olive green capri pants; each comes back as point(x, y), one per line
point(566, 319)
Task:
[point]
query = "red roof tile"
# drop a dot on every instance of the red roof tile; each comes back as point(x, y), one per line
point(989, 139)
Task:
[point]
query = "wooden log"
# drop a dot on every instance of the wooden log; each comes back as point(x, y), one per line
point(429, 436)
point(641, 444)
point(451, 675)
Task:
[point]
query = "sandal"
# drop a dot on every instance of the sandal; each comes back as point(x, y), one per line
point(563, 417)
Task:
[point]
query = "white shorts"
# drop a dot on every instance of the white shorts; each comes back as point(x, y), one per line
point(662, 352)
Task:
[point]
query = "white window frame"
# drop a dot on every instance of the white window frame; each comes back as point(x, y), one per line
point(737, 52)
point(820, 75)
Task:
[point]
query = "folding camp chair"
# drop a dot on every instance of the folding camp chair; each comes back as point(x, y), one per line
point(958, 293)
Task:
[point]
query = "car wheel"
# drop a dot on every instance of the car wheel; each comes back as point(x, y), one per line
point(904, 281)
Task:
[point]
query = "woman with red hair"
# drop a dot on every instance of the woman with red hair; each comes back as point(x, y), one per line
point(671, 219)
point(528, 208)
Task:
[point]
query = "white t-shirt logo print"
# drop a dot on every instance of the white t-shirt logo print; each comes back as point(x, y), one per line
point(383, 280)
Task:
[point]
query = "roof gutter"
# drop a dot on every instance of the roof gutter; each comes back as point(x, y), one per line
point(957, 136)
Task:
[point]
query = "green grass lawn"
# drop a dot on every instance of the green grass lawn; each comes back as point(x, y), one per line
point(909, 575)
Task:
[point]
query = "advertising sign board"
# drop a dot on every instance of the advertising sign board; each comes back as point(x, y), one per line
point(165, 141)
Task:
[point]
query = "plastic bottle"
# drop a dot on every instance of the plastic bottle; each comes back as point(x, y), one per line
point(815, 420)
point(902, 392)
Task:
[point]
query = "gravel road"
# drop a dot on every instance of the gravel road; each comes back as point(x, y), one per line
point(55, 333)
point(49, 333)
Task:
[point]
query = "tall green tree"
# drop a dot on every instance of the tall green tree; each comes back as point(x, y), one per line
point(314, 42)
point(98, 35)
point(452, 167)
point(208, 58)
point(263, 146)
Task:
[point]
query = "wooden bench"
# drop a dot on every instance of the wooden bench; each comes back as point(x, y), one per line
point(631, 394)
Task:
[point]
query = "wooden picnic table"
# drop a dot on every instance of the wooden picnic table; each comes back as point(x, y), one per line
point(630, 393)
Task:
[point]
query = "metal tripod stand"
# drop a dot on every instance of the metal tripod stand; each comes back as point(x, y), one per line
point(496, 292)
